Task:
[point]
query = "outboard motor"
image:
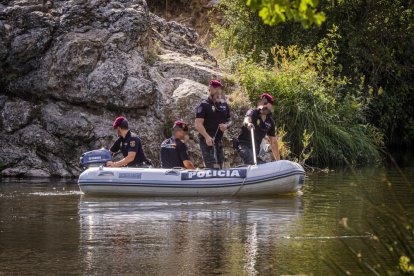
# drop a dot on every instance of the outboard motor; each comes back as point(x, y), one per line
point(95, 158)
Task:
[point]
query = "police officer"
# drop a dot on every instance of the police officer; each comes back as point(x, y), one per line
point(212, 119)
point(173, 150)
point(261, 121)
point(129, 144)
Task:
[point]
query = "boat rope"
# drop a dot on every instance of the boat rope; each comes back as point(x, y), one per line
point(244, 180)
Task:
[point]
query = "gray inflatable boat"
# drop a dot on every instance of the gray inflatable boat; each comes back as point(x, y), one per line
point(279, 177)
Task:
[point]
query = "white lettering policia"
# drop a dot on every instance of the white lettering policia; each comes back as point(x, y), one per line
point(214, 173)
point(237, 173)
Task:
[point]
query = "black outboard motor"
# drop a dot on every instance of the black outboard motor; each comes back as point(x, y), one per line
point(95, 158)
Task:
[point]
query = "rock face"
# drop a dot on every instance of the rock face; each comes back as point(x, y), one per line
point(68, 68)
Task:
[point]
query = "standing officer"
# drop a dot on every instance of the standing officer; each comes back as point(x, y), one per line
point(212, 119)
point(173, 151)
point(261, 121)
point(130, 145)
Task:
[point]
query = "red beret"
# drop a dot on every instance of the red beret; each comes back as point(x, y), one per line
point(215, 83)
point(180, 124)
point(267, 96)
point(118, 121)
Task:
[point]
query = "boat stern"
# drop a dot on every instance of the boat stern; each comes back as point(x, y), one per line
point(292, 171)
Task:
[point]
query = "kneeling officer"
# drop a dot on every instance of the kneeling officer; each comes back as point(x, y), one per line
point(173, 151)
point(130, 145)
point(261, 121)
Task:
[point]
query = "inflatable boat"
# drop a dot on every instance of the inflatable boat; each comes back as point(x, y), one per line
point(279, 177)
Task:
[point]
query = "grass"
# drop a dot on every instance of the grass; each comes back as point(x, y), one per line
point(323, 119)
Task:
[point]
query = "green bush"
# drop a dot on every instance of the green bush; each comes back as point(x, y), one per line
point(376, 44)
point(242, 31)
point(312, 97)
point(275, 12)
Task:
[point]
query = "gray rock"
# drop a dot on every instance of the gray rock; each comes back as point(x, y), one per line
point(15, 114)
point(72, 124)
point(29, 45)
point(25, 171)
point(37, 138)
point(106, 78)
point(68, 68)
point(57, 167)
point(186, 97)
point(3, 100)
point(172, 64)
point(137, 93)
point(3, 47)
point(11, 153)
point(16, 160)
point(178, 38)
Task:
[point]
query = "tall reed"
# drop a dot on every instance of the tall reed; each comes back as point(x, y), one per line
point(311, 97)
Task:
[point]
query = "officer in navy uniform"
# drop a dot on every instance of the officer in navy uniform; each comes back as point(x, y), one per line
point(130, 146)
point(261, 121)
point(212, 119)
point(173, 150)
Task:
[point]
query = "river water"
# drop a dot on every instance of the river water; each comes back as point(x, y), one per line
point(48, 227)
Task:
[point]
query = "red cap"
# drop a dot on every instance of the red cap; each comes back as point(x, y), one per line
point(267, 97)
point(215, 83)
point(118, 121)
point(180, 124)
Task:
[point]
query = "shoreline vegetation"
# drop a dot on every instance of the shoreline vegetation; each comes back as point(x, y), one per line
point(320, 118)
point(331, 109)
point(324, 105)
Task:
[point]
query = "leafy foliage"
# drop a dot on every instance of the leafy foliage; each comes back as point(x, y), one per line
point(313, 103)
point(275, 12)
point(374, 51)
point(242, 31)
point(377, 44)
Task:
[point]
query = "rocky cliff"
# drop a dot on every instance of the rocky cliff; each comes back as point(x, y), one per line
point(68, 68)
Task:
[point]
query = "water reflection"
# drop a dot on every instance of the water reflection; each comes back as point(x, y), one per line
point(39, 228)
point(48, 228)
point(190, 236)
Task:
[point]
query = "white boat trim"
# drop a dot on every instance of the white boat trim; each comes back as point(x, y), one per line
point(259, 180)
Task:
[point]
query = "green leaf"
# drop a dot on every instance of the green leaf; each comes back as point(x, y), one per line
point(273, 12)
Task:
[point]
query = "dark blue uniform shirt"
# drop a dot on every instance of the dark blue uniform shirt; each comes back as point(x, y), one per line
point(173, 153)
point(213, 113)
point(261, 128)
point(131, 142)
